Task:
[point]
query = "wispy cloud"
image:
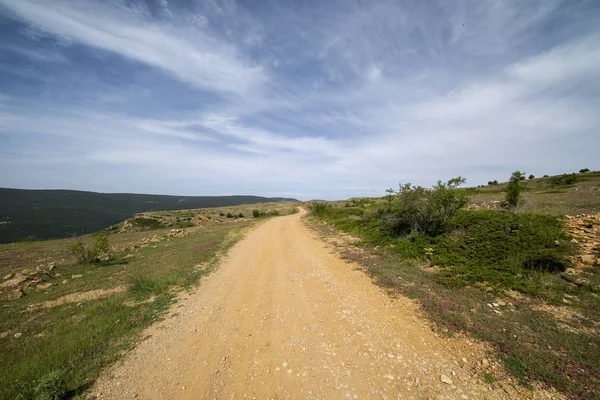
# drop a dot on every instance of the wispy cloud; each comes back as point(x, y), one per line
point(320, 101)
point(194, 57)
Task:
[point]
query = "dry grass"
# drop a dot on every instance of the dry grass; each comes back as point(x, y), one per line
point(56, 340)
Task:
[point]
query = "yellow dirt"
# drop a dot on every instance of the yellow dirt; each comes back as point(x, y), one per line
point(284, 318)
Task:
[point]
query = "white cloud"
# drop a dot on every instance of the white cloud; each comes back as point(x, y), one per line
point(194, 57)
point(377, 96)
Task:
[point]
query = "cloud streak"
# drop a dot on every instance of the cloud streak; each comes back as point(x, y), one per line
point(200, 60)
point(283, 99)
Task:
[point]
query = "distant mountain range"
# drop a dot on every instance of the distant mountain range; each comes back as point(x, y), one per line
point(50, 214)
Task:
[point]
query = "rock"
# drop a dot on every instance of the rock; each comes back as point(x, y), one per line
point(45, 286)
point(15, 294)
point(57, 275)
point(76, 276)
point(18, 335)
point(485, 363)
point(588, 259)
point(28, 272)
point(64, 281)
point(8, 276)
point(446, 380)
point(15, 281)
point(501, 303)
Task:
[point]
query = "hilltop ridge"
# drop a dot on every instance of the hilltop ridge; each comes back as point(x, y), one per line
point(51, 214)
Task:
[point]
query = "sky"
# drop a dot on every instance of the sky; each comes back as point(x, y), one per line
point(306, 99)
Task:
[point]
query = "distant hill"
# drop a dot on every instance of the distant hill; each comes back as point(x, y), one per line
point(50, 214)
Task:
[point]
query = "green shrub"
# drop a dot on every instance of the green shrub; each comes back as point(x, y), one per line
point(240, 215)
point(564, 179)
point(319, 206)
point(501, 248)
point(414, 210)
point(229, 215)
point(513, 190)
point(267, 213)
point(99, 251)
point(222, 214)
point(584, 170)
point(145, 223)
point(531, 177)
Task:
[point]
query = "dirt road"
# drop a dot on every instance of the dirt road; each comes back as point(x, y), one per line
point(284, 318)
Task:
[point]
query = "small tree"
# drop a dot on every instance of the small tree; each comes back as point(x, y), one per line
point(495, 182)
point(583, 171)
point(256, 213)
point(240, 215)
point(99, 251)
point(531, 176)
point(414, 210)
point(514, 189)
point(229, 215)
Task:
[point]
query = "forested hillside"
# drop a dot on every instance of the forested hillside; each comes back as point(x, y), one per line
point(47, 214)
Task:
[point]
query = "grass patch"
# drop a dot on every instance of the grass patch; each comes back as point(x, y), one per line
point(143, 287)
point(61, 350)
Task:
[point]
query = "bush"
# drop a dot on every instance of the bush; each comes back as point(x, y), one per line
point(240, 215)
point(545, 176)
point(584, 170)
point(268, 213)
point(145, 223)
point(531, 177)
point(414, 210)
point(564, 179)
point(319, 206)
point(513, 190)
point(229, 215)
point(501, 248)
point(99, 251)
point(222, 214)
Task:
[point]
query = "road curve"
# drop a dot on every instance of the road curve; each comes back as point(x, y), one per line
point(284, 318)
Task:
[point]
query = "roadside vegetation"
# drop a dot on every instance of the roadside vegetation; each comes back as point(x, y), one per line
point(70, 307)
point(504, 275)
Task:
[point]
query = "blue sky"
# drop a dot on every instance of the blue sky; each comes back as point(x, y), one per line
point(308, 99)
